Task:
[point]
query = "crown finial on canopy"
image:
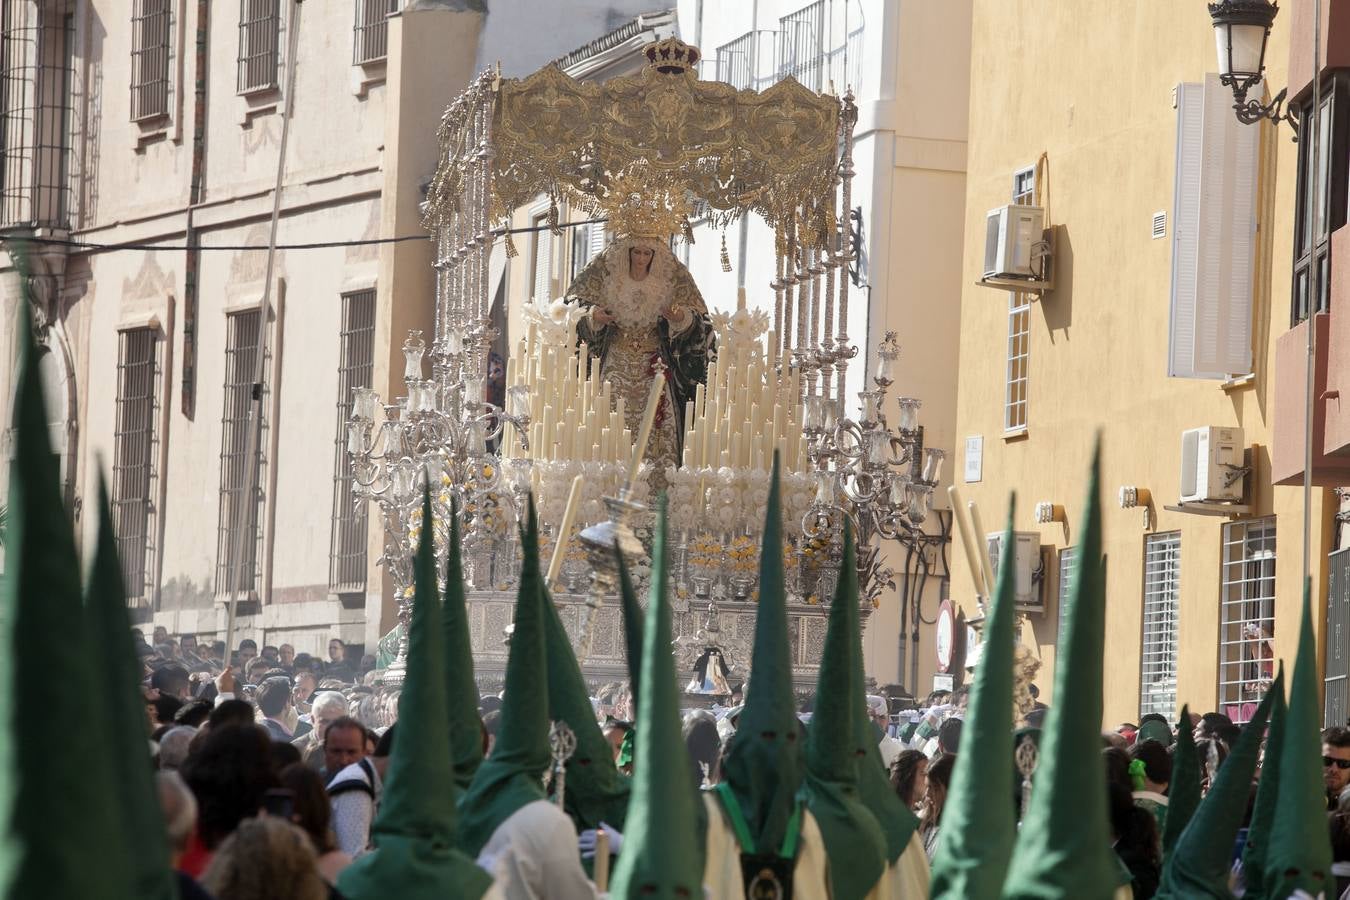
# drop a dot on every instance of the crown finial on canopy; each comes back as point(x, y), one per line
point(672, 56)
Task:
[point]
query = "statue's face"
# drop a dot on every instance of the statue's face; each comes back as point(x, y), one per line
point(640, 261)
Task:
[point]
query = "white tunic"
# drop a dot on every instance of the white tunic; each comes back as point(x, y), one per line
point(534, 855)
point(722, 878)
point(906, 878)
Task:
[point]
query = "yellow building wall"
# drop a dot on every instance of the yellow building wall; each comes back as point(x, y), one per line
point(1090, 84)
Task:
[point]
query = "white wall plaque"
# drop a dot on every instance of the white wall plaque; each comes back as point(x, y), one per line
point(974, 457)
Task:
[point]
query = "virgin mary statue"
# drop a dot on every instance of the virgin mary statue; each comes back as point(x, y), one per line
point(643, 310)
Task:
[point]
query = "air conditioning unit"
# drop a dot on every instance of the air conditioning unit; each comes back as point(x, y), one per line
point(1027, 568)
point(1010, 234)
point(1212, 465)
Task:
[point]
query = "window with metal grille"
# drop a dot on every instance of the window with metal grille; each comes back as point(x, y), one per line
point(259, 44)
point(1066, 558)
point(541, 257)
point(133, 471)
point(36, 86)
point(801, 46)
point(370, 34)
point(347, 551)
point(1019, 329)
point(1162, 600)
point(151, 34)
point(239, 500)
point(1246, 616)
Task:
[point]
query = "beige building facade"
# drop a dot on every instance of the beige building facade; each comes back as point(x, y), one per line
point(140, 152)
point(1175, 286)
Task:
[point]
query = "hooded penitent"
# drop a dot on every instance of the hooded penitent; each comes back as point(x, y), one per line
point(1183, 791)
point(763, 767)
point(853, 839)
point(898, 823)
point(1201, 860)
point(414, 833)
point(595, 792)
point(466, 736)
point(1298, 854)
point(511, 777)
point(976, 838)
point(137, 836)
point(1063, 849)
point(661, 857)
point(52, 830)
point(632, 625)
point(1267, 792)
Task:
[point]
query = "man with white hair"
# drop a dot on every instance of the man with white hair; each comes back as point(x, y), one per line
point(881, 715)
point(180, 818)
point(328, 707)
point(173, 747)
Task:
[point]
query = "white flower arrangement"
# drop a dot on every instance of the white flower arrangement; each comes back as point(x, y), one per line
point(552, 318)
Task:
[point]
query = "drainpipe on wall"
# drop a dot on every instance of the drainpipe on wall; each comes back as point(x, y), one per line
point(192, 262)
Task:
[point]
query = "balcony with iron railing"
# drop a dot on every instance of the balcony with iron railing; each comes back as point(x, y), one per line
point(758, 59)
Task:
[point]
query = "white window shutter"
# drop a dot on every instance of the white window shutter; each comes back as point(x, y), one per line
point(1185, 226)
point(1215, 245)
point(543, 264)
point(598, 239)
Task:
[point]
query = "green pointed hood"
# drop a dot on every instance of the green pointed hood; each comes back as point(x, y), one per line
point(414, 832)
point(466, 735)
point(1299, 848)
point(662, 858)
point(137, 834)
point(898, 822)
point(976, 839)
point(1183, 791)
point(595, 791)
point(1267, 793)
point(763, 767)
point(632, 625)
point(1063, 849)
point(854, 841)
point(52, 832)
point(511, 776)
point(1201, 861)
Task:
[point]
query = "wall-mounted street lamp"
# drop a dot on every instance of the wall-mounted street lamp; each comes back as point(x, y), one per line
point(1241, 29)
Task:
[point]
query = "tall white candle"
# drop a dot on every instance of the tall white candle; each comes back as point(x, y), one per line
point(564, 533)
point(648, 419)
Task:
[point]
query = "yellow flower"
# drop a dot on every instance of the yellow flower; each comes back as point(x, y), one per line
point(487, 471)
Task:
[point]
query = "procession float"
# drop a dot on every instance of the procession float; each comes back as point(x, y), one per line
point(634, 382)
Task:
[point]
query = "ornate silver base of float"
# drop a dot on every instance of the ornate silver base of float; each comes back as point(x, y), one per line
point(490, 612)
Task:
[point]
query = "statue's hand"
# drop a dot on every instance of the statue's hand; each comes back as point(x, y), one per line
point(678, 317)
point(600, 316)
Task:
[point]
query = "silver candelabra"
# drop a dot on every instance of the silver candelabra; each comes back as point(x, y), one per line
point(881, 478)
point(438, 435)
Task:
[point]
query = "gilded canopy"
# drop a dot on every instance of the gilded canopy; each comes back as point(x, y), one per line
point(774, 152)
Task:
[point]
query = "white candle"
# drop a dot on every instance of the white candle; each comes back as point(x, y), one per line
point(976, 571)
point(564, 533)
point(547, 449)
point(648, 419)
point(980, 533)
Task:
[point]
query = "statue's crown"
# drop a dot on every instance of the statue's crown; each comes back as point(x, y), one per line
point(672, 56)
point(637, 207)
